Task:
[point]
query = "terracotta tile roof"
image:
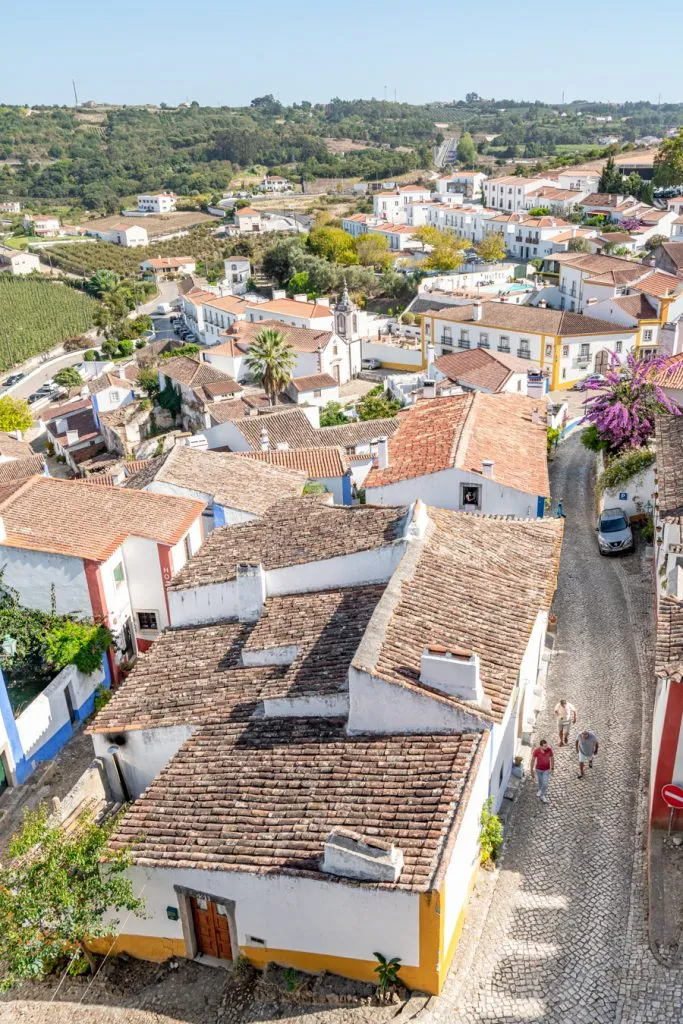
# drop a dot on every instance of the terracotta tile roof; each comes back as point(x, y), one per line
point(83, 421)
point(660, 284)
point(593, 263)
point(20, 468)
point(55, 412)
point(669, 640)
point(169, 262)
point(674, 250)
point(479, 368)
point(228, 479)
point(475, 581)
point(460, 430)
point(215, 388)
point(353, 435)
point(285, 784)
point(13, 448)
point(69, 517)
point(292, 532)
point(614, 277)
point(552, 194)
point(196, 675)
point(602, 199)
point(314, 382)
point(669, 447)
point(247, 211)
point(191, 372)
point(228, 303)
point(111, 380)
point(308, 310)
point(671, 373)
point(314, 462)
point(531, 319)
point(291, 427)
point(638, 306)
point(301, 339)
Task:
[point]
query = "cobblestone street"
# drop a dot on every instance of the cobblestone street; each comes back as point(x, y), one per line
point(564, 939)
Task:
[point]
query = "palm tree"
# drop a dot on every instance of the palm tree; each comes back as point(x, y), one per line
point(271, 360)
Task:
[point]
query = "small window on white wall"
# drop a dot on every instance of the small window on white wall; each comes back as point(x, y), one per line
point(147, 621)
point(119, 574)
point(470, 496)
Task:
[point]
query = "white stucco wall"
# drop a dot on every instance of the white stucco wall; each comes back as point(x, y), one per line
point(33, 573)
point(142, 756)
point(380, 707)
point(640, 487)
point(393, 355)
point(658, 719)
point(290, 913)
point(442, 490)
point(49, 712)
point(212, 603)
point(145, 582)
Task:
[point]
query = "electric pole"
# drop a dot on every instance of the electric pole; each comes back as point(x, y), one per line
point(73, 82)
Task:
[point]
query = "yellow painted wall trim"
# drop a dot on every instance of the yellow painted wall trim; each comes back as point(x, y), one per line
point(449, 953)
point(144, 947)
point(402, 366)
point(557, 354)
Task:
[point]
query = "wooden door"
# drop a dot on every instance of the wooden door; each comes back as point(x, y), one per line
point(211, 928)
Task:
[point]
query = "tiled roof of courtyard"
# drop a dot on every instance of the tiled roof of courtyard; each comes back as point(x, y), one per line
point(314, 462)
point(314, 382)
point(291, 427)
point(20, 468)
point(530, 319)
point(301, 339)
point(285, 784)
point(459, 431)
point(450, 589)
point(660, 284)
point(479, 368)
point(232, 481)
point(669, 446)
point(70, 517)
point(638, 306)
point(191, 372)
point(357, 433)
point(196, 675)
point(13, 448)
point(292, 532)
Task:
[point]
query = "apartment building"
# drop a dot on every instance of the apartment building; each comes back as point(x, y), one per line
point(157, 202)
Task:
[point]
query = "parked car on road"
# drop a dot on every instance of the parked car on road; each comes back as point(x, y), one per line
point(371, 364)
point(598, 378)
point(614, 532)
point(14, 378)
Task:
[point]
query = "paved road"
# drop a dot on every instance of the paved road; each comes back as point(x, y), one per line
point(42, 374)
point(563, 941)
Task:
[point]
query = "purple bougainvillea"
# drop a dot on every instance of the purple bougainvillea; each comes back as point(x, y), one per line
point(624, 411)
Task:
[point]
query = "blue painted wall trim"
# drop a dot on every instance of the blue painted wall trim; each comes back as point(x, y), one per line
point(346, 490)
point(96, 411)
point(540, 507)
point(53, 745)
point(218, 515)
point(22, 768)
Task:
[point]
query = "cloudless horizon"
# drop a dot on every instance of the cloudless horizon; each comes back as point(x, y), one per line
point(418, 53)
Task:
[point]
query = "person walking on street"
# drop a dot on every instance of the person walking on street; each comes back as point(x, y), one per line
point(586, 747)
point(566, 713)
point(543, 761)
point(560, 513)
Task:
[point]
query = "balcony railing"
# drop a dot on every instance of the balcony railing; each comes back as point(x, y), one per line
point(446, 340)
point(530, 240)
point(524, 353)
point(503, 348)
point(581, 362)
point(463, 343)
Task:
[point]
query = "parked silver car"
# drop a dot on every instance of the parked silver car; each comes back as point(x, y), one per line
point(614, 532)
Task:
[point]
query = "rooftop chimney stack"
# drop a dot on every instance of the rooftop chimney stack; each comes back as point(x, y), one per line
point(542, 304)
point(429, 389)
point(263, 440)
point(382, 452)
point(535, 416)
point(453, 671)
point(431, 354)
point(251, 591)
point(487, 468)
point(477, 311)
point(535, 385)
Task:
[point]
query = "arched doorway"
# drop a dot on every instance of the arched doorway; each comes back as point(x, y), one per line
point(602, 361)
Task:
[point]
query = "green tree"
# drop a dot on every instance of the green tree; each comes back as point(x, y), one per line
point(55, 891)
point(492, 248)
point(669, 161)
point(148, 380)
point(139, 324)
point(332, 243)
point(611, 179)
point(14, 414)
point(102, 283)
point(373, 251)
point(376, 405)
point(647, 193)
point(446, 248)
point(69, 377)
point(466, 151)
point(332, 415)
point(271, 360)
point(578, 244)
point(299, 284)
point(655, 241)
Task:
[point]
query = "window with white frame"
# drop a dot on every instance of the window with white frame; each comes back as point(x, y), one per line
point(548, 351)
point(585, 350)
point(618, 347)
point(447, 336)
point(647, 335)
point(483, 340)
point(504, 343)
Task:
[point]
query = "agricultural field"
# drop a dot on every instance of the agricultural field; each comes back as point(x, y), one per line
point(155, 224)
point(36, 315)
point(85, 258)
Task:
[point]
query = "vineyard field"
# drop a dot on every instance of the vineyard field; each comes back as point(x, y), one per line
point(36, 315)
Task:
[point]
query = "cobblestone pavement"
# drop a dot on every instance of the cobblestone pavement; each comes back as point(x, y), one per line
point(563, 938)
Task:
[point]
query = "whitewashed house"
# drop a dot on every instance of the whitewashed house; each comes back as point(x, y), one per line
point(157, 202)
point(131, 236)
point(17, 262)
point(278, 712)
point(237, 271)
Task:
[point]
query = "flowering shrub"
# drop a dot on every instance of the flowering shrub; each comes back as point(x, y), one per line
point(623, 414)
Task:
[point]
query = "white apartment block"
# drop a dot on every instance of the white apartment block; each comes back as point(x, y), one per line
point(392, 206)
point(157, 202)
point(10, 207)
point(466, 183)
point(509, 193)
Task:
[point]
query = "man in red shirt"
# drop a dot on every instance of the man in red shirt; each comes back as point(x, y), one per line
point(543, 761)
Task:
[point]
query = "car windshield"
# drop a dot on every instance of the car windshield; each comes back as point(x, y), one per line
point(613, 525)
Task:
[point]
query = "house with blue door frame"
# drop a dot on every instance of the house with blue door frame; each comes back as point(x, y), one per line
point(40, 731)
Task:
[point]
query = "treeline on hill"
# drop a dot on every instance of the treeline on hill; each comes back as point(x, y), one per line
point(95, 157)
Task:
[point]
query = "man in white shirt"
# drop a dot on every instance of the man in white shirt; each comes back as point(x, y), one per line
point(566, 715)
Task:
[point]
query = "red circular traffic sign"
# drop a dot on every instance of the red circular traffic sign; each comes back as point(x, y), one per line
point(672, 795)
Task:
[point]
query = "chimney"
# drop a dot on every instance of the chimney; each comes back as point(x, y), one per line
point(263, 440)
point(431, 354)
point(251, 591)
point(535, 385)
point(301, 297)
point(477, 310)
point(487, 468)
point(71, 437)
point(282, 446)
point(323, 301)
point(382, 452)
point(279, 293)
point(591, 301)
point(429, 389)
point(542, 304)
point(535, 416)
point(454, 671)
point(365, 858)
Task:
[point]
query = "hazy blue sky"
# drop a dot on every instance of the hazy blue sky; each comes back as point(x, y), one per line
point(227, 53)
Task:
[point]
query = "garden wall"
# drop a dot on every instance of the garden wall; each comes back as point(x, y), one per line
point(633, 495)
